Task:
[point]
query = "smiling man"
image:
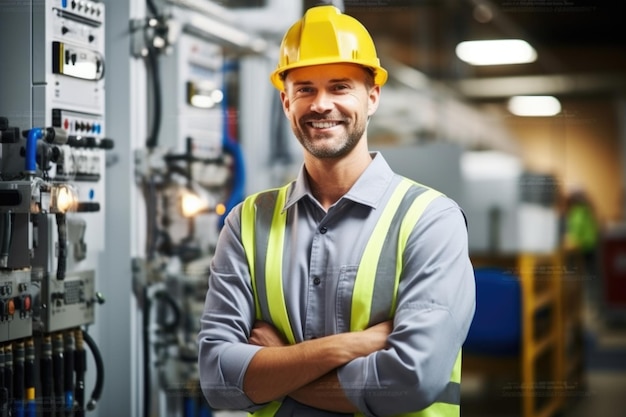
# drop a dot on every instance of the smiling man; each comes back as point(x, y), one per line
point(348, 291)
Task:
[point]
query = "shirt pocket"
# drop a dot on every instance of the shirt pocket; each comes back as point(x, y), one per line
point(343, 306)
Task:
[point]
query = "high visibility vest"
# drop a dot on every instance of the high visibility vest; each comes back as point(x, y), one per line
point(263, 225)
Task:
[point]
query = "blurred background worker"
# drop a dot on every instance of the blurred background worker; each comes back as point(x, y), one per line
point(582, 236)
point(350, 289)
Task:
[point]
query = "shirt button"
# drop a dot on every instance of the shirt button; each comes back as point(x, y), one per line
point(323, 229)
point(317, 281)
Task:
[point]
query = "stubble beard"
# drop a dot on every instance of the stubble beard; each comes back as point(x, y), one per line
point(322, 146)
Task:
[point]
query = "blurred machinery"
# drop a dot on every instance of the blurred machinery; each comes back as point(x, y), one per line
point(52, 179)
point(190, 173)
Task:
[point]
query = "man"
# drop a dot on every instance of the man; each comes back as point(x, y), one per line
point(349, 290)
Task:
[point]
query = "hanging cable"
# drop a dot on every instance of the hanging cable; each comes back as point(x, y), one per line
point(80, 365)
point(173, 324)
point(97, 389)
point(152, 63)
point(62, 245)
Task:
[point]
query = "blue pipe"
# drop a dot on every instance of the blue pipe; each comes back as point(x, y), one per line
point(31, 148)
point(189, 407)
point(231, 146)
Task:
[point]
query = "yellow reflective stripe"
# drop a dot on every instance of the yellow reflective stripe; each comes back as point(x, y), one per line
point(274, 268)
point(366, 274)
point(456, 370)
point(248, 216)
point(408, 223)
point(267, 411)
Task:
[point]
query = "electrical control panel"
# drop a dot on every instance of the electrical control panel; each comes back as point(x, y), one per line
point(68, 303)
point(52, 164)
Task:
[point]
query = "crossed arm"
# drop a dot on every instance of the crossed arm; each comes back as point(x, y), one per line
point(306, 371)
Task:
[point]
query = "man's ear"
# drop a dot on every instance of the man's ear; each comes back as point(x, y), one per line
point(285, 101)
point(373, 100)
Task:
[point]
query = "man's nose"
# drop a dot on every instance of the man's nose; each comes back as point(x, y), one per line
point(322, 102)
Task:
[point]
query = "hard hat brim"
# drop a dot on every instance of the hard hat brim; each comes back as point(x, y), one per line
point(276, 77)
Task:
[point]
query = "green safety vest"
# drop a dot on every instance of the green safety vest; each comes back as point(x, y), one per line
point(263, 225)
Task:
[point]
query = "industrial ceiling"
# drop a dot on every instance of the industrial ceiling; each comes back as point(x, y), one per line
point(581, 44)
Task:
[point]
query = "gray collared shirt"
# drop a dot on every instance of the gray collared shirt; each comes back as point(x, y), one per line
point(436, 298)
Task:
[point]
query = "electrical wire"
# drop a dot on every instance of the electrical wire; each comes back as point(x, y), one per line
point(80, 365)
point(97, 389)
point(8, 375)
point(147, 376)
point(152, 7)
point(18, 380)
point(45, 365)
point(7, 231)
point(68, 374)
point(152, 63)
point(174, 323)
point(4, 397)
point(57, 373)
point(62, 245)
point(30, 378)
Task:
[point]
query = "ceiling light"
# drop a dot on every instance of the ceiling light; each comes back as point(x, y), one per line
point(496, 52)
point(534, 105)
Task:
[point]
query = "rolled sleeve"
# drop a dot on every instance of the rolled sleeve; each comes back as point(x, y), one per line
point(225, 325)
point(436, 302)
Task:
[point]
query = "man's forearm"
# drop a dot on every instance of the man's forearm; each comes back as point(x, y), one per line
point(325, 393)
point(279, 369)
point(274, 372)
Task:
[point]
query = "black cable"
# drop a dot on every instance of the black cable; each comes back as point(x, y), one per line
point(4, 396)
point(45, 375)
point(174, 323)
point(7, 230)
point(57, 372)
point(8, 375)
point(18, 379)
point(147, 385)
point(30, 378)
point(97, 389)
point(152, 7)
point(62, 245)
point(154, 73)
point(80, 365)
point(68, 374)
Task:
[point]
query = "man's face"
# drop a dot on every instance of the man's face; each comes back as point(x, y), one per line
point(328, 107)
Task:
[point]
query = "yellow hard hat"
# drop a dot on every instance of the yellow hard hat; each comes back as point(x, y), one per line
point(326, 36)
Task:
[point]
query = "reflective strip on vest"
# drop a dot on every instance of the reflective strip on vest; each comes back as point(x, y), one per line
point(263, 228)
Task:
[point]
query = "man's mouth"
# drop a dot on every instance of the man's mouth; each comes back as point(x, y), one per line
point(323, 124)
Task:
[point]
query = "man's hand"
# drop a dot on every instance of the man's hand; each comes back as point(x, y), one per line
point(264, 334)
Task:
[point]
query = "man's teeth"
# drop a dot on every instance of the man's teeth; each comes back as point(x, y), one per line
point(323, 125)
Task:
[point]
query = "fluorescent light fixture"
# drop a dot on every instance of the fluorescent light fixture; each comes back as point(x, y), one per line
point(541, 106)
point(496, 52)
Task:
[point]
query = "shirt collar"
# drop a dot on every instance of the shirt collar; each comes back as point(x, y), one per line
point(367, 190)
